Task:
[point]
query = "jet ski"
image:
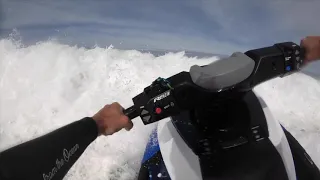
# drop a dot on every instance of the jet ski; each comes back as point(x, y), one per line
point(212, 125)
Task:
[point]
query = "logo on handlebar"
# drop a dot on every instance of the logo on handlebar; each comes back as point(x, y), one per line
point(161, 96)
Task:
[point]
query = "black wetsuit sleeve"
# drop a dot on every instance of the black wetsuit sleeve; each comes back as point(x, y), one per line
point(48, 157)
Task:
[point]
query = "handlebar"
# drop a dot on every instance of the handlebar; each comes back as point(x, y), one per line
point(217, 81)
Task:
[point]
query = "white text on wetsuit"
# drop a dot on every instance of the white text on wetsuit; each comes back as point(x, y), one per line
point(59, 163)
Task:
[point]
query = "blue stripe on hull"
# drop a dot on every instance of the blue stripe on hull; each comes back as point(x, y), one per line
point(152, 146)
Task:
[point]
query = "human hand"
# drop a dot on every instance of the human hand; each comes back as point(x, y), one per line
point(312, 47)
point(110, 119)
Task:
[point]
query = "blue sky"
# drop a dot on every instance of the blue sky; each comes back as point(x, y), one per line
point(214, 26)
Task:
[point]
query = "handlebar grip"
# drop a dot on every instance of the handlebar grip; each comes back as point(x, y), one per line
point(303, 53)
point(131, 112)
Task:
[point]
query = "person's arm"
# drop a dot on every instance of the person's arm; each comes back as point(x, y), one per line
point(50, 157)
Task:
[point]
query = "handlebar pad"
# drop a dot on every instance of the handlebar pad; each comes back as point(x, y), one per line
point(223, 73)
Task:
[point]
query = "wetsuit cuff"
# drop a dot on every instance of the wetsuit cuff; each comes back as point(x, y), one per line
point(92, 127)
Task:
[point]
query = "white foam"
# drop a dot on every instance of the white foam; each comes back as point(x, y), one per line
point(48, 85)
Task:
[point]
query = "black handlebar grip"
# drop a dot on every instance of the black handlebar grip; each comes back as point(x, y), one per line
point(131, 112)
point(303, 52)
